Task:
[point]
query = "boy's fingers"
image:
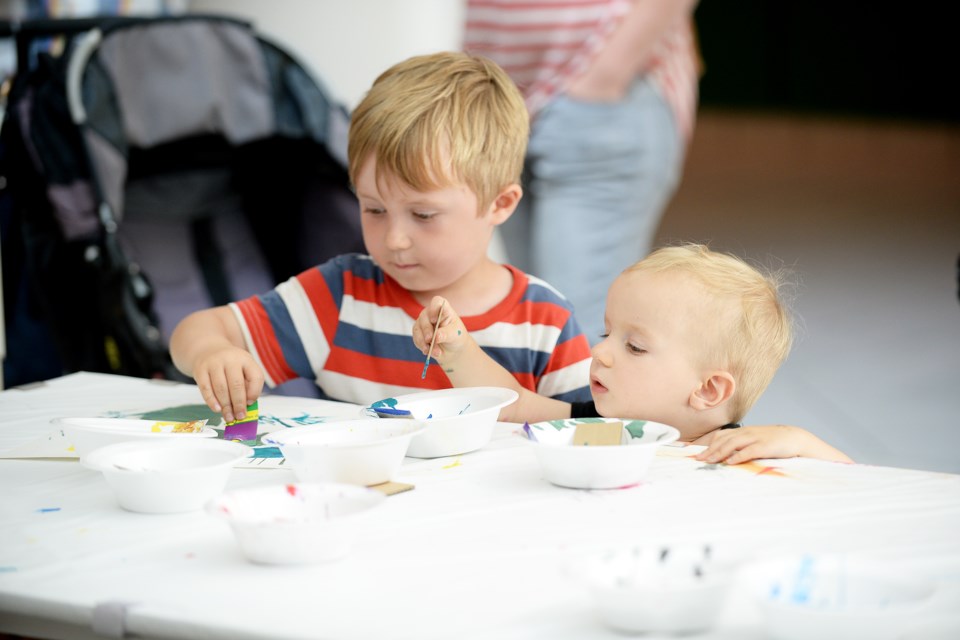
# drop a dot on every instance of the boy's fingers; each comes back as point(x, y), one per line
point(254, 383)
point(238, 397)
point(750, 452)
point(206, 392)
point(221, 394)
point(721, 451)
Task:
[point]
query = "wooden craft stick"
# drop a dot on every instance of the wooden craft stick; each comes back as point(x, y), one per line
point(392, 488)
point(598, 434)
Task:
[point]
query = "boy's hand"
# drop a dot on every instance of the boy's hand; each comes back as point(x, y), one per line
point(733, 446)
point(229, 379)
point(452, 335)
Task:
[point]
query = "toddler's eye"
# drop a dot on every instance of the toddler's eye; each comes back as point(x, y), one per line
point(373, 210)
point(635, 349)
point(423, 215)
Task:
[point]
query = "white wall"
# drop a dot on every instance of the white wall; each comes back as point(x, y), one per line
point(348, 43)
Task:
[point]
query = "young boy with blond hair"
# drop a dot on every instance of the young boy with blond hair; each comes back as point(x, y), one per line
point(435, 153)
point(692, 339)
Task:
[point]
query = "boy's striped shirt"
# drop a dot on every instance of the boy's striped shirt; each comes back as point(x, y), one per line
point(347, 325)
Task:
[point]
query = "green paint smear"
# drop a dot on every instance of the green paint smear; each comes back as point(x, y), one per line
point(185, 413)
point(568, 423)
point(635, 428)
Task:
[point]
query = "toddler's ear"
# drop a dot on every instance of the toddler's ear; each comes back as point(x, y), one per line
point(505, 203)
point(713, 391)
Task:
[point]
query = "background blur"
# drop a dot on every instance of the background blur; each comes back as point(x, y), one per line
point(826, 143)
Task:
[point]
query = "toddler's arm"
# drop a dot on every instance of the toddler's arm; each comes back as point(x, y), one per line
point(468, 365)
point(209, 346)
point(734, 446)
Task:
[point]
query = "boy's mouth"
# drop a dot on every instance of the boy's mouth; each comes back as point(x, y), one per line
point(596, 386)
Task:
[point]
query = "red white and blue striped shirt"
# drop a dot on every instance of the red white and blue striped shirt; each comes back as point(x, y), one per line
point(347, 326)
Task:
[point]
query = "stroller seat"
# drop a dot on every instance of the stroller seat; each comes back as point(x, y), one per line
point(161, 166)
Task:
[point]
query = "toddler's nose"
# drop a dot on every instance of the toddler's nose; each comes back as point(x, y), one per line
point(601, 352)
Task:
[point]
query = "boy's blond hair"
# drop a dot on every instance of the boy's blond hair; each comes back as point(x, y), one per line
point(442, 106)
point(753, 329)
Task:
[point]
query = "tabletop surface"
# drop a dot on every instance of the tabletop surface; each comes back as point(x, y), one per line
point(482, 547)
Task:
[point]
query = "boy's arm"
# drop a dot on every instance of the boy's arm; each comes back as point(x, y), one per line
point(733, 446)
point(209, 346)
point(468, 365)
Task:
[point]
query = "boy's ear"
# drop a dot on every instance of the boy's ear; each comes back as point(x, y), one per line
point(713, 391)
point(505, 203)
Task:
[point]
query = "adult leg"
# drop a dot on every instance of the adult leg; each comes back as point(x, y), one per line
point(601, 175)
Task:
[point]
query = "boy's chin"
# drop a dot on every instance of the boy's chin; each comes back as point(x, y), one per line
point(605, 408)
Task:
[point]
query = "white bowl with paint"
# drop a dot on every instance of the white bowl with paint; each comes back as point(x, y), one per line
point(87, 434)
point(167, 476)
point(457, 420)
point(364, 451)
point(653, 588)
point(301, 523)
point(838, 596)
point(603, 467)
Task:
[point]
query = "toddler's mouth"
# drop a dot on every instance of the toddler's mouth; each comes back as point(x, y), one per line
point(597, 387)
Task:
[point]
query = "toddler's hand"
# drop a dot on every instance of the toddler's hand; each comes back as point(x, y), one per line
point(733, 446)
point(229, 379)
point(452, 336)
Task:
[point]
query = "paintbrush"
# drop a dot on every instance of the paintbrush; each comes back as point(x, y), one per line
point(433, 342)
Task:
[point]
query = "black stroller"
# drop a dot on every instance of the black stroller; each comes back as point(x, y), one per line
point(157, 167)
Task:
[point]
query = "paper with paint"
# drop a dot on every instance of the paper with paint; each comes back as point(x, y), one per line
point(281, 413)
point(245, 428)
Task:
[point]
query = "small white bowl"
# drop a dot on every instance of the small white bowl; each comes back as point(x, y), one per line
point(607, 467)
point(657, 588)
point(837, 596)
point(365, 451)
point(166, 476)
point(86, 434)
point(295, 523)
point(457, 420)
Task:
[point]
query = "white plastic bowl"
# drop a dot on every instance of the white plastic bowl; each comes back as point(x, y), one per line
point(295, 523)
point(364, 452)
point(457, 420)
point(606, 467)
point(166, 476)
point(837, 596)
point(87, 434)
point(657, 588)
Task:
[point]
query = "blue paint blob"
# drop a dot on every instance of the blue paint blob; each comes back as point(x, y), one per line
point(267, 452)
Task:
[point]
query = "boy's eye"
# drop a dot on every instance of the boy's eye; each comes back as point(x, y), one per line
point(635, 348)
point(423, 215)
point(374, 210)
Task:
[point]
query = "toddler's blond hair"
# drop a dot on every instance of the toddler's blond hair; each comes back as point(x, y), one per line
point(449, 105)
point(753, 328)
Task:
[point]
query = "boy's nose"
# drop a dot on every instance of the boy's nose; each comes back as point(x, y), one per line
point(601, 353)
point(397, 238)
